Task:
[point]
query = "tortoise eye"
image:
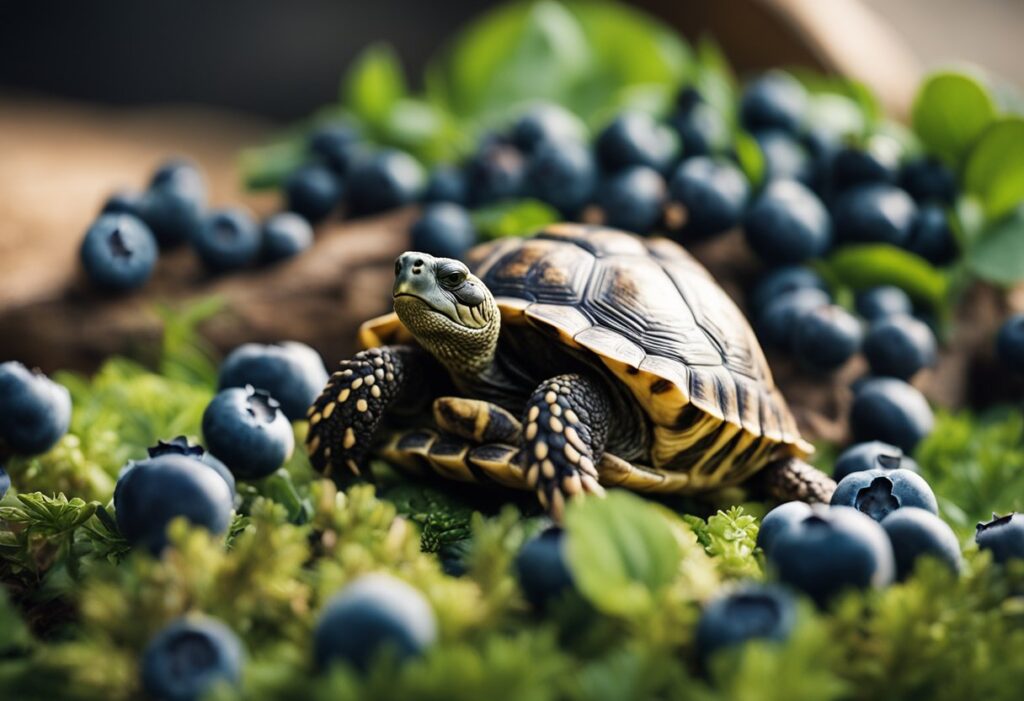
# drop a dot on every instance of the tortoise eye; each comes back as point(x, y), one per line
point(453, 278)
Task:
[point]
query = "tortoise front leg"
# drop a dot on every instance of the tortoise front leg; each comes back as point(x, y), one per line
point(344, 419)
point(792, 479)
point(565, 429)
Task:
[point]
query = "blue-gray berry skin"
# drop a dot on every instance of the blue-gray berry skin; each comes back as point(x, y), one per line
point(878, 162)
point(916, 532)
point(777, 323)
point(386, 180)
point(546, 123)
point(931, 236)
point(702, 130)
point(890, 410)
point(5, 482)
point(444, 230)
point(496, 172)
point(174, 203)
point(785, 157)
point(541, 568)
point(751, 612)
point(788, 224)
point(872, 455)
point(313, 191)
point(712, 194)
point(834, 549)
point(884, 300)
point(1010, 343)
point(228, 239)
point(35, 411)
point(779, 519)
point(781, 281)
point(776, 100)
point(899, 346)
point(190, 656)
point(1003, 536)
point(119, 252)
point(247, 431)
point(337, 146)
point(928, 180)
point(636, 139)
point(125, 202)
point(153, 492)
point(183, 175)
point(632, 199)
point(181, 446)
point(874, 213)
point(878, 492)
point(374, 614)
point(563, 174)
point(826, 337)
point(284, 235)
point(447, 184)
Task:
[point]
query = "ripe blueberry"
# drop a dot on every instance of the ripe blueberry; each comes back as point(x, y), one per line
point(776, 324)
point(916, 532)
point(928, 180)
point(785, 158)
point(496, 172)
point(636, 139)
point(877, 162)
point(246, 429)
point(119, 252)
point(879, 492)
point(632, 199)
point(35, 411)
point(702, 130)
point(386, 180)
point(874, 213)
point(444, 230)
point(778, 520)
point(181, 446)
point(788, 224)
point(890, 410)
point(710, 195)
point(931, 237)
point(337, 146)
point(871, 455)
point(751, 612)
point(284, 235)
point(779, 281)
point(447, 184)
point(313, 191)
point(776, 100)
point(291, 372)
point(542, 569)
point(173, 205)
point(878, 302)
point(227, 240)
point(826, 337)
point(563, 174)
point(188, 657)
point(1010, 343)
point(1003, 536)
point(549, 123)
point(899, 346)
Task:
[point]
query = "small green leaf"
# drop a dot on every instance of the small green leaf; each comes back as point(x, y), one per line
point(950, 111)
point(995, 166)
point(750, 158)
point(513, 218)
point(998, 255)
point(622, 551)
point(374, 84)
point(266, 167)
point(870, 265)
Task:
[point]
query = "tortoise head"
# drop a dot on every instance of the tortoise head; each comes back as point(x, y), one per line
point(448, 309)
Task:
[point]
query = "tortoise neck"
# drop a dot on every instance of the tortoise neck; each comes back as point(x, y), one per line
point(467, 352)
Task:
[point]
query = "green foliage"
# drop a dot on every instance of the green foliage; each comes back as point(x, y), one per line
point(994, 170)
point(998, 253)
point(950, 111)
point(374, 84)
point(516, 218)
point(730, 537)
point(868, 265)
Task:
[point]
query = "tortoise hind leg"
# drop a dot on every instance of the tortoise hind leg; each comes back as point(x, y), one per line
point(476, 420)
point(792, 479)
point(423, 452)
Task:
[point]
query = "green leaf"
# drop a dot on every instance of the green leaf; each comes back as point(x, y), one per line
point(995, 167)
point(998, 254)
point(950, 111)
point(265, 167)
point(374, 84)
point(870, 265)
point(513, 218)
point(750, 158)
point(622, 551)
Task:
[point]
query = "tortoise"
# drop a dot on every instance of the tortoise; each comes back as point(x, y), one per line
point(573, 360)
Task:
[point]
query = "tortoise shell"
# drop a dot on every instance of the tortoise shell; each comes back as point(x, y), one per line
point(650, 314)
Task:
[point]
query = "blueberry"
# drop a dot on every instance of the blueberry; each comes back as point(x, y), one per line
point(899, 346)
point(125, 202)
point(780, 281)
point(702, 130)
point(313, 191)
point(444, 230)
point(496, 172)
point(563, 175)
point(831, 550)
point(788, 224)
point(151, 493)
point(928, 180)
point(878, 302)
point(751, 612)
point(183, 175)
point(931, 236)
point(1010, 343)
point(711, 194)
point(877, 162)
point(284, 235)
point(174, 203)
point(871, 455)
point(118, 252)
point(915, 532)
point(890, 410)
point(776, 323)
point(190, 656)
point(35, 411)
point(774, 101)
point(874, 213)
point(228, 239)
point(546, 123)
point(632, 199)
point(181, 446)
point(337, 146)
point(447, 184)
point(826, 337)
point(822, 146)
point(376, 613)
point(542, 569)
point(1003, 536)
point(246, 429)
point(636, 139)
point(785, 158)
point(5, 482)
point(879, 492)
point(779, 519)
point(386, 180)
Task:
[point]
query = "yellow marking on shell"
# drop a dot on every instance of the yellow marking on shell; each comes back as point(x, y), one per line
point(533, 413)
point(572, 454)
point(550, 397)
point(540, 450)
point(357, 383)
point(574, 438)
point(361, 405)
point(313, 444)
point(314, 419)
point(375, 391)
point(555, 424)
point(571, 417)
point(548, 468)
point(350, 438)
point(556, 409)
point(370, 379)
point(329, 409)
point(531, 431)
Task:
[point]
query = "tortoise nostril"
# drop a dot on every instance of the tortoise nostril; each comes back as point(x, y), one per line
point(418, 263)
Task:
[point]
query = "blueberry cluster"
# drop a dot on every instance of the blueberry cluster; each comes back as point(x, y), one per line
point(120, 249)
point(35, 412)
